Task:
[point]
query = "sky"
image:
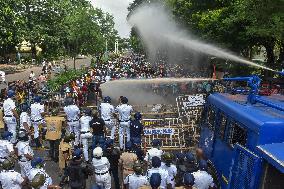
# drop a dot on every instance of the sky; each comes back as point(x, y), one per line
point(118, 8)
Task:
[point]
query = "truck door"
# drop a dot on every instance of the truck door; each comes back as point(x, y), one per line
point(246, 169)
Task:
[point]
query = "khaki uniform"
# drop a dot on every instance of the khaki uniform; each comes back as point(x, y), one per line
point(64, 148)
point(1, 119)
point(54, 127)
point(127, 159)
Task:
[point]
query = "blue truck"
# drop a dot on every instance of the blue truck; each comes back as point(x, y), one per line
point(243, 138)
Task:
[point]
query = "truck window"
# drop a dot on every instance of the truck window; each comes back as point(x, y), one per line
point(211, 118)
point(237, 134)
point(222, 125)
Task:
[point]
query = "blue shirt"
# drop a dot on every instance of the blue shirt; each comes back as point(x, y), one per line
point(136, 128)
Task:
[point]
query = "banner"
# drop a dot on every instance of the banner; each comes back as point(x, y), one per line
point(159, 131)
point(186, 103)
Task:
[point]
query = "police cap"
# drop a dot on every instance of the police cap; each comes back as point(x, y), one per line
point(188, 179)
point(156, 142)
point(155, 180)
point(138, 116)
point(37, 99)
point(38, 181)
point(10, 93)
point(128, 145)
point(107, 99)
point(109, 142)
point(189, 157)
point(25, 108)
point(37, 161)
point(180, 156)
point(203, 165)
point(156, 162)
point(6, 135)
point(124, 100)
point(77, 153)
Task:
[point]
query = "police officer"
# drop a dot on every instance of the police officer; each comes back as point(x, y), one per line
point(188, 181)
point(98, 126)
point(137, 149)
point(37, 168)
point(113, 154)
point(136, 128)
point(135, 180)
point(72, 116)
point(127, 160)
point(156, 168)
point(85, 132)
point(202, 179)
point(190, 163)
point(25, 120)
point(154, 151)
point(25, 153)
point(37, 113)
point(9, 178)
point(65, 151)
point(54, 125)
point(170, 167)
point(10, 114)
point(107, 112)
point(124, 112)
point(155, 182)
point(101, 168)
point(6, 147)
point(181, 168)
point(76, 172)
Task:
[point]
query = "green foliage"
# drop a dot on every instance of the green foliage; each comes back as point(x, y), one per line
point(63, 78)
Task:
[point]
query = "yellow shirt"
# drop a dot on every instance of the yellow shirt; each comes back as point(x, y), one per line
point(1, 119)
point(54, 126)
point(63, 147)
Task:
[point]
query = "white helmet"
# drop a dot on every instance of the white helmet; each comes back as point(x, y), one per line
point(98, 152)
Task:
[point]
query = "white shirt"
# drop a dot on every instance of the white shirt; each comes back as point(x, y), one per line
point(6, 148)
point(202, 180)
point(153, 152)
point(107, 111)
point(85, 123)
point(8, 106)
point(24, 148)
point(11, 179)
point(35, 171)
point(101, 165)
point(36, 110)
point(72, 112)
point(164, 175)
point(32, 75)
point(172, 170)
point(24, 118)
point(135, 181)
point(124, 111)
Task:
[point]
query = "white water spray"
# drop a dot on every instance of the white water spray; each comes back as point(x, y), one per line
point(157, 30)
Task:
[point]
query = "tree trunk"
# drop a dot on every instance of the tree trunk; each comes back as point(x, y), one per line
point(281, 56)
point(270, 58)
point(74, 63)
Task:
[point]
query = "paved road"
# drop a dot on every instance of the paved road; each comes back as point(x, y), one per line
point(38, 69)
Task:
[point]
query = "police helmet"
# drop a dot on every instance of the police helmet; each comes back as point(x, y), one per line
point(189, 157)
point(87, 111)
point(69, 138)
point(37, 162)
point(69, 101)
point(54, 111)
point(156, 162)
point(156, 143)
point(25, 108)
point(107, 99)
point(23, 136)
point(188, 179)
point(7, 135)
point(109, 143)
point(8, 164)
point(203, 165)
point(137, 167)
point(155, 180)
point(167, 157)
point(128, 145)
point(77, 154)
point(138, 116)
point(37, 99)
point(10, 93)
point(38, 181)
point(98, 152)
point(124, 100)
